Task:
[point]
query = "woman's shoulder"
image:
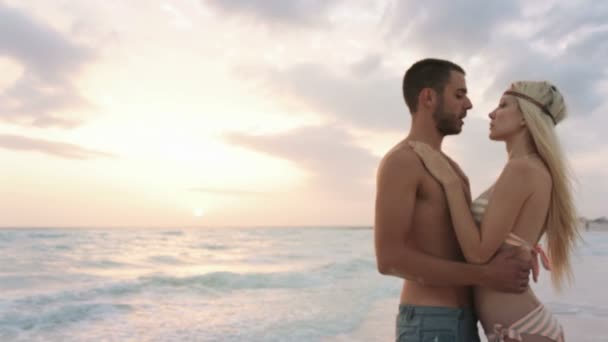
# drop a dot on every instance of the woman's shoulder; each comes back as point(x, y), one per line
point(529, 170)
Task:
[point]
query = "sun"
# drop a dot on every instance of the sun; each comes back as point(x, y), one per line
point(198, 212)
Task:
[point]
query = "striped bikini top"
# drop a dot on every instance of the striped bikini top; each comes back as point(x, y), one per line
point(478, 209)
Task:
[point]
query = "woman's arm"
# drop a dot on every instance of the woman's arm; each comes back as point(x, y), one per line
point(511, 191)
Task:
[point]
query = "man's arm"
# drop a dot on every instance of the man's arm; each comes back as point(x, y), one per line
point(397, 181)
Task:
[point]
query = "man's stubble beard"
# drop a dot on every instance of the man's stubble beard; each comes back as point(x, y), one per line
point(446, 123)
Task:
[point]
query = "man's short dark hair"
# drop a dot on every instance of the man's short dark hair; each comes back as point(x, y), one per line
point(426, 73)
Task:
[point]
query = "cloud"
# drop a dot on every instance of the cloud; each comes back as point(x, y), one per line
point(450, 27)
point(56, 149)
point(571, 19)
point(367, 65)
point(328, 154)
point(45, 88)
point(363, 97)
point(579, 82)
point(272, 12)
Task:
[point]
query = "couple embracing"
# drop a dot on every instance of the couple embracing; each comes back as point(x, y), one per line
point(466, 260)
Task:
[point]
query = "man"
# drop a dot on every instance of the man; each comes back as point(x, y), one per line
point(414, 237)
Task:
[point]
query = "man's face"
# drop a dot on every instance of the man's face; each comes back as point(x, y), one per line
point(452, 105)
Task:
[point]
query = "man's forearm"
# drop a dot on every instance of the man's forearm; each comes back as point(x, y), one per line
point(423, 268)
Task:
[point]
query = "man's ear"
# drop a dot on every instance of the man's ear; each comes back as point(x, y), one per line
point(428, 97)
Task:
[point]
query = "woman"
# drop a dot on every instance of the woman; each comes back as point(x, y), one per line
point(530, 198)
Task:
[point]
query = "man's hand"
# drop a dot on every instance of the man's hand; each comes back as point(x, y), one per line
point(508, 271)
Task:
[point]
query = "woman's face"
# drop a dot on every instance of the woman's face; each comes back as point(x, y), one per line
point(506, 120)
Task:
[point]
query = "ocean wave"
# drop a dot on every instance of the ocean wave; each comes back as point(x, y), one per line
point(349, 267)
point(40, 235)
point(111, 290)
point(60, 317)
point(210, 283)
point(213, 246)
point(272, 259)
point(103, 264)
point(165, 259)
point(20, 281)
point(233, 281)
point(173, 233)
point(7, 236)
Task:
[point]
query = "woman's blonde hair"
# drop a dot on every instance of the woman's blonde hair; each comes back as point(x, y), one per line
point(561, 224)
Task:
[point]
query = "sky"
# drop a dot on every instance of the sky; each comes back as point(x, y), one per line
point(191, 113)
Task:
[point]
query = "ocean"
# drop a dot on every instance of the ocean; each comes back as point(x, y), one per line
point(231, 284)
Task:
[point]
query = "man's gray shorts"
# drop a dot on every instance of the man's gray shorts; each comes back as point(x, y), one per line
point(436, 324)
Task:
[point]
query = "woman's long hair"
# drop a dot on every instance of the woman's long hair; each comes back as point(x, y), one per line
point(561, 223)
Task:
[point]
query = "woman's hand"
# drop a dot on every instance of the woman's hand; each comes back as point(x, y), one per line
point(436, 164)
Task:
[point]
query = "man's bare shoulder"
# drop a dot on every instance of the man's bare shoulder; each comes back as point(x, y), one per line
point(401, 157)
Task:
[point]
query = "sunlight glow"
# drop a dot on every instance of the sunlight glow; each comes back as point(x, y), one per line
point(198, 212)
